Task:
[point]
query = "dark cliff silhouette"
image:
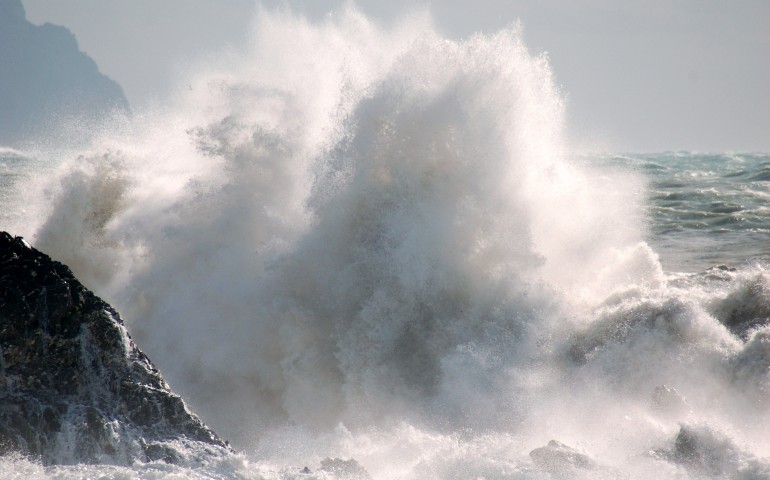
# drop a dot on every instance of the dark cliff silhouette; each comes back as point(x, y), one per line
point(46, 83)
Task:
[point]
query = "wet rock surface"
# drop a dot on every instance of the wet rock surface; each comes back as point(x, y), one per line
point(73, 386)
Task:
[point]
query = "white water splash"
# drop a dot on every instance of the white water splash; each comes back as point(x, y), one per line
point(364, 243)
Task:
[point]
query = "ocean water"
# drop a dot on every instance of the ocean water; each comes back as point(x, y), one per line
point(704, 209)
point(377, 244)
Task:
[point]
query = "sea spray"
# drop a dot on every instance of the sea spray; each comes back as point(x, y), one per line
point(358, 242)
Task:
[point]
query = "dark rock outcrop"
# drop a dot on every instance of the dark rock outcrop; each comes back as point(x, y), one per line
point(747, 307)
point(709, 453)
point(46, 81)
point(73, 386)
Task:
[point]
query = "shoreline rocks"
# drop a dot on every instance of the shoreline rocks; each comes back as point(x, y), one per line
point(73, 386)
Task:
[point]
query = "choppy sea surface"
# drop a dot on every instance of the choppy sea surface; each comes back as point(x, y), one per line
point(361, 252)
point(705, 209)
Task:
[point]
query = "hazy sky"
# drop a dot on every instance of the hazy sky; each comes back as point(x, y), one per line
point(641, 76)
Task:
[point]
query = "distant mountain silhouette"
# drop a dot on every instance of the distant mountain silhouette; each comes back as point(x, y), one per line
point(46, 82)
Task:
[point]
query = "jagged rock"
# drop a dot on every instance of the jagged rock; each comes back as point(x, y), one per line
point(73, 386)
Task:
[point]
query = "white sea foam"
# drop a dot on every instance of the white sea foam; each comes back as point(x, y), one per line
point(356, 242)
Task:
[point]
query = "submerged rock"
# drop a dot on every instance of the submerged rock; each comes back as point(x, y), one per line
point(73, 386)
point(558, 458)
point(344, 469)
point(713, 454)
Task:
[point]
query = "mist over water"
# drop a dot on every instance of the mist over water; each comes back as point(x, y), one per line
point(356, 242)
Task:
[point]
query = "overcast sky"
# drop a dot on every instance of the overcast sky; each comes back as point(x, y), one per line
point(641, 76)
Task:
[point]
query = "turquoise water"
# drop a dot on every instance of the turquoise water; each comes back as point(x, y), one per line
point(704, 209)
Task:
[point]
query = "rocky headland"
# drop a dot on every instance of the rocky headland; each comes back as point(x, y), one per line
point(73, 386)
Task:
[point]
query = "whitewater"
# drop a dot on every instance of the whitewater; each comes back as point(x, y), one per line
point(362, 251)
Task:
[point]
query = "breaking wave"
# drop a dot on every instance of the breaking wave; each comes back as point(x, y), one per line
point(375, 243)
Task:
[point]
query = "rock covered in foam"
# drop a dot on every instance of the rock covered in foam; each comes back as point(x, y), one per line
point(73, 386)
point(344, 469)
point(707, 452)
point(747, 306)
point(558, 458)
